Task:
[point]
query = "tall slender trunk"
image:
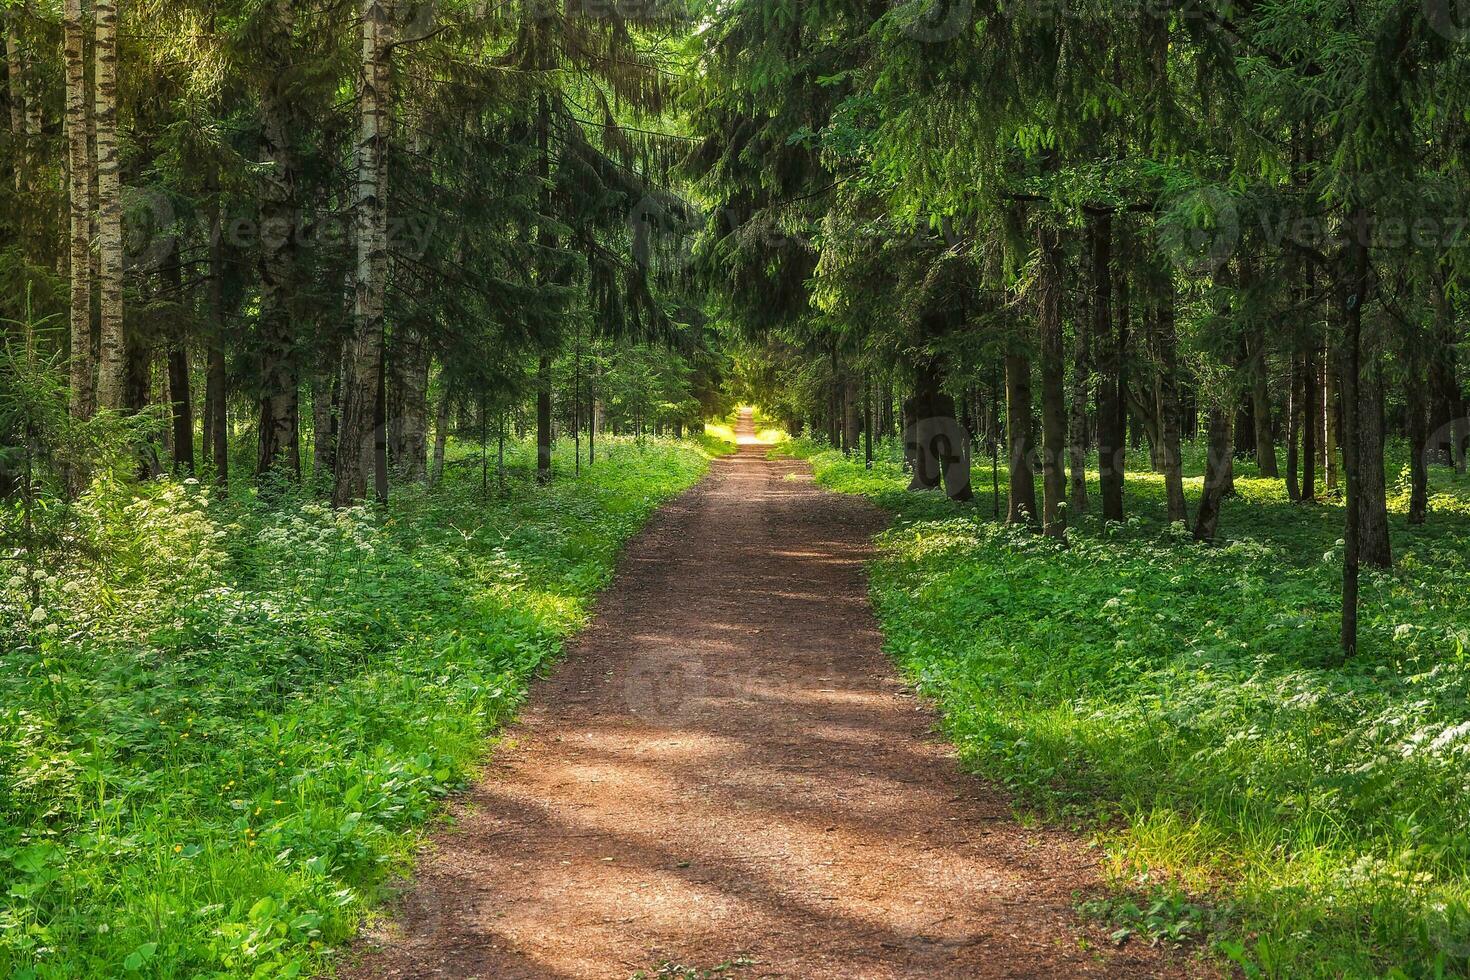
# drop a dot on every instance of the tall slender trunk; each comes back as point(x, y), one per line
point(1311, 422)
point(852, 419)
point(216, 388)
point(1332, 420)
point(919, 417)
point(1053, 396)
point(359, 460)
point(279, 383)
point(441, 434)
point(16, 90)
point(1077, 417)
point(543, 419)
point(112, 348)
point(410, 428)
point(1171, 455)
point(1294, 411)
point(183, 408)
point(1020, 440)
point(1373, 543)
point(324, 384)
point(1110, 438)
point(1417, 407)
point(1218, 469)
point(1265, 437)
point(1351, 294)
point(79, 181)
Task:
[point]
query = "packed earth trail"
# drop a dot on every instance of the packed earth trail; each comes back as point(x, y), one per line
point(725, 771)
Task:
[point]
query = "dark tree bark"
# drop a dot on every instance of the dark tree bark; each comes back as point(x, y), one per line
point(1351, 293)
point(852, 417)
point(1332, 421)
point(441, 435)
point(1311, 423)
point(324, 420)
point(1110, 438)
point(1417, 407)
point(279, 215)
point(183, 409)
point(1077, 441)
point(1020, 439)
point(1053, 398)
point(543, 420)
point(1171, 456)
point(1265, 435)
point(1372, 491)
point(1217, 474)
point(1293, 429)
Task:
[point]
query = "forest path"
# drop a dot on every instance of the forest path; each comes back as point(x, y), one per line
point(725, 770)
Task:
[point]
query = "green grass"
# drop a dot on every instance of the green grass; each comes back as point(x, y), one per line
point(222, 731)
point(1184, 703)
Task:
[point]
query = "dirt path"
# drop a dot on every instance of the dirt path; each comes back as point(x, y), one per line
point(726, 770)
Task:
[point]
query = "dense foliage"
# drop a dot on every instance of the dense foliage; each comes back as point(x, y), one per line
point(224, 718)
point(1305, 818)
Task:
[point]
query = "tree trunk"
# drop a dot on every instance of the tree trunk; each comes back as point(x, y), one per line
point(852, 414)
point(1171, 456)
point(15, 71)
point(1416, 385)
point(1110, 437)
point(408, 430)
point(183, 409)
point(1332, 418)
point(543, 420)
point(79, 182)
point(1077, 441)
point(1373, 540)
point(324, 384)
point(1351, 294)
point(441, 435)
point(1265, 436)
point(216, 390)
point(1311, 422)
point(1294, 413)
point(1053, 398)
point(359, 459)
point(113, 347)
point(279, 391)
point(1218, 468)
point(1020, 440)
point(919, 430)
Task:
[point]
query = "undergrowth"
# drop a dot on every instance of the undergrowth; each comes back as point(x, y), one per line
point(1186, 703)
point(225, 719)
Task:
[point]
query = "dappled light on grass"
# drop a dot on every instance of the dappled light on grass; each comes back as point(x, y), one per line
point(220, 739)
point(1189, 700)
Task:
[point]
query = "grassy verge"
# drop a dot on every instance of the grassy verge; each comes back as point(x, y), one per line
point(1185, 703)
point(224, 723)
